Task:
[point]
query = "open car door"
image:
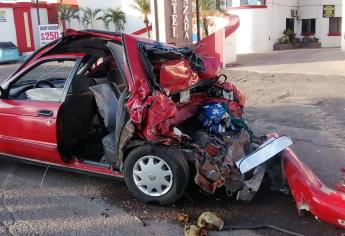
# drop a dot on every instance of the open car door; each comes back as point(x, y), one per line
point(30, 107)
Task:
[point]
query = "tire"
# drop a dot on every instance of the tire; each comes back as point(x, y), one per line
point(163, 160)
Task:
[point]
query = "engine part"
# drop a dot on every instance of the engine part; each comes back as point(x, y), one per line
point(252, 185)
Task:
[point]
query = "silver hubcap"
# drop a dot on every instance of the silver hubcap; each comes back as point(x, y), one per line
point(152, 176)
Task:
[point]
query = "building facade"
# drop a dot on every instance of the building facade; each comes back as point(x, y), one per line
point(19, 19)
point(264, 21)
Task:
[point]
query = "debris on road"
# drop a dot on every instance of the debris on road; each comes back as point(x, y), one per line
point(105, 215)
point(209, 220)
point(182, 218)
point(206, 221)
point(231, 228)
point(143, 223)
point(193, 230)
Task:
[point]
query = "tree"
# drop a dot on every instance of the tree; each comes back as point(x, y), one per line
point(115, 16)
point(90, 16)
point(207, 8)
point(144, 7)
point(66, 13)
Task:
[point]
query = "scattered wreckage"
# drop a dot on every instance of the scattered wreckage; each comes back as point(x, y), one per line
point(153, 114)
point(209, 221)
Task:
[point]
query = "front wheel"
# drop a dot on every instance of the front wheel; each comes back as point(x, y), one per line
point(156, 174)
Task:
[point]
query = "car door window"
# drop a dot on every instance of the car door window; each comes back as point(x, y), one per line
point(45, 82)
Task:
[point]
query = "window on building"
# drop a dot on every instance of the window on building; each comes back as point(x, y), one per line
point(290, 24)
point(308, 27)
point(228, 3)
point(231, 3)
point(335, 26)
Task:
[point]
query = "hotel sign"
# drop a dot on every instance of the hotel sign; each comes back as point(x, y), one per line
point(179, 21)
point(328, 11)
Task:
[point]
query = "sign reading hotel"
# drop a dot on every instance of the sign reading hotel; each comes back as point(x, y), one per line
point(48, 33)
point(179, 26)
point(328, 11)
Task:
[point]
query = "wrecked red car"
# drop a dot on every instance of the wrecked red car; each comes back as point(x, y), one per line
point(153, 114)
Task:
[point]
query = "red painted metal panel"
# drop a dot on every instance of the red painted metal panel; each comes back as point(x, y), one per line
point(22, 4)
point(24, 133)
point(142, 31)
point(52, 14)
point(19, 22)
point(177, 75)
point(137, 82)
point(311, 194)
point(212, 46)
point(75, 165)
point(334, 34)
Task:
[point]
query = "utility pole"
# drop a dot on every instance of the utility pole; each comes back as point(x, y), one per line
point(198, 20)
point(38, 13)
point(156, 19)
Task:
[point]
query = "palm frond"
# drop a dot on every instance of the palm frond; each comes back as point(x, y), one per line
point(90, 16)
point(115, 16)
point(143, 6)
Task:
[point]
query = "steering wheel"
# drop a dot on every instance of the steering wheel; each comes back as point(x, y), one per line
point(46, 82)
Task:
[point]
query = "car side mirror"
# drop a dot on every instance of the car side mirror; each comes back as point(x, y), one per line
point(2, 92)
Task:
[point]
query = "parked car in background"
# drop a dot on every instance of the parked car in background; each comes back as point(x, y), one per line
point(8, 52)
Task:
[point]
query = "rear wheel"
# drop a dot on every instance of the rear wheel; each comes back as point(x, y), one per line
point(156, 174)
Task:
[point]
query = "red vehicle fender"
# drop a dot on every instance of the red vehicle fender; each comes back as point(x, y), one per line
point(311, 194)
point(177, 75)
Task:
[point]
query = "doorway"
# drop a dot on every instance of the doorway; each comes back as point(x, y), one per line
point(290, 24)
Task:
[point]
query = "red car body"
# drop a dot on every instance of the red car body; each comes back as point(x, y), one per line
point(27, 133)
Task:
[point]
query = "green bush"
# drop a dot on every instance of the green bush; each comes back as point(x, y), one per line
point(284, 40)
point(290, 34)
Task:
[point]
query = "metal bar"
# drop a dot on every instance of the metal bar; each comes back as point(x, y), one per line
point(156, 19)
point(198, 20)
point(38, 13)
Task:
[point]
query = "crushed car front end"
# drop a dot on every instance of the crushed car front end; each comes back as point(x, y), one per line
point(177, 98)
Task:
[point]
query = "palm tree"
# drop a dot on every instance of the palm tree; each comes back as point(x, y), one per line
point(207, 8)
point(66, 13)
point(115, 16)
point(90, 16)
point(144, 7)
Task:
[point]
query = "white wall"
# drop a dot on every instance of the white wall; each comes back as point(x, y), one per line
point(7, 35)
point(230, 54)
point(134, 19)
point(313, 9)
point(343, 30)
point(229, 44)
point(43, 21)
point(260, 28)
point(253, 33)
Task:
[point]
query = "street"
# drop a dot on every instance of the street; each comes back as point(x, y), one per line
point(308, 107)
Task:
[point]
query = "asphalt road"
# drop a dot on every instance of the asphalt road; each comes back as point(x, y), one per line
point(62, 203)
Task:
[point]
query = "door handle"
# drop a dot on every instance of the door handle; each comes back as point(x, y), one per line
point(45, 113)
